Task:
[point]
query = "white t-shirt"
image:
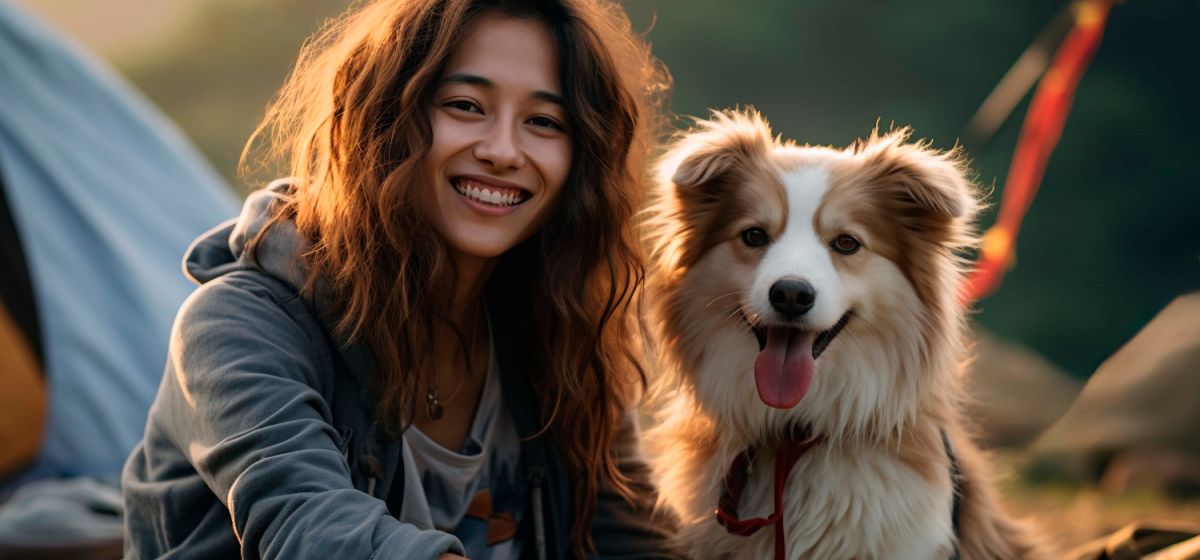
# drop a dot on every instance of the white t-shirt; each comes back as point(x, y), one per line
point(475, 493)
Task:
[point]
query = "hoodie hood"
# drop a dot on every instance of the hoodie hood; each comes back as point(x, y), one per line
point(223, 249)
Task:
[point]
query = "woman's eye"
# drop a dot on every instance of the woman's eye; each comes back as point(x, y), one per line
point(463, 105)
point(755, 237)
point(546, 122)
point(846, 244)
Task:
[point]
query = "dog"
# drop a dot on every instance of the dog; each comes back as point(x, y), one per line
point(806, 310)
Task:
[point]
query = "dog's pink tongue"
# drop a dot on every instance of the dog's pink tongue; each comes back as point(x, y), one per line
point(784, 368)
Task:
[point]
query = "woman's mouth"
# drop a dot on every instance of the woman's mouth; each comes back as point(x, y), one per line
point(489, 194)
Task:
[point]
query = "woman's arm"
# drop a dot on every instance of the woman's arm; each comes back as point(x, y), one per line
point(239, 400)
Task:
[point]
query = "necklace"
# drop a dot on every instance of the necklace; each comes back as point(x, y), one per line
point(433, 401)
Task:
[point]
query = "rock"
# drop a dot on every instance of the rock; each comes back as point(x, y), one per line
point(1013, 393)
point(1146, 396)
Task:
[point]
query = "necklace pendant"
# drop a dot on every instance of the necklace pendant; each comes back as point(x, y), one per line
point(433, 408)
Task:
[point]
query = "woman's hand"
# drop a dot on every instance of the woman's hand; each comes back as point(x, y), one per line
point(449, 556)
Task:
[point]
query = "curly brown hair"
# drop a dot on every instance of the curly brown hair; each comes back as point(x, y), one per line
point(352, 125)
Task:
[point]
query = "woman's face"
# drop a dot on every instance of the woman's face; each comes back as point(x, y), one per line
point(501, 150)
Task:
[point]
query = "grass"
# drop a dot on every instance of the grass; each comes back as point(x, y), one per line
point(1071, 513)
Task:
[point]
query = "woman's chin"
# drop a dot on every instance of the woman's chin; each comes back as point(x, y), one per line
point(482, 243)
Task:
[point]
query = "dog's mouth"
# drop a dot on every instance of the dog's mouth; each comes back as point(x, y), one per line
point(786, 359)
point(820, 343)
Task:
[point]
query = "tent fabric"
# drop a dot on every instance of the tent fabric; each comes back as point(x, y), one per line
point(51, 514)
point(105, 196)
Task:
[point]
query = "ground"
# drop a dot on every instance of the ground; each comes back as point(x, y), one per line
point(1073, 513)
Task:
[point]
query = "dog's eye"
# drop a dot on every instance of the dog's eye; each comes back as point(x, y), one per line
point(845, 244)
point(755, 237)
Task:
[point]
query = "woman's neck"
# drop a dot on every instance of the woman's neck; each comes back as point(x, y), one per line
point(472, 274)
point(458, 358)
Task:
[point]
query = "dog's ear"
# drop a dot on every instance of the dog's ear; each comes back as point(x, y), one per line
point(923, 181)
point(705, 164)
point(717, 146)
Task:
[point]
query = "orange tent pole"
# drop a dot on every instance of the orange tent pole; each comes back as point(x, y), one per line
point(1039, 135)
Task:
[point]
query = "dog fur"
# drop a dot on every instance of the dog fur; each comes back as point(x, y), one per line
point(879, 485)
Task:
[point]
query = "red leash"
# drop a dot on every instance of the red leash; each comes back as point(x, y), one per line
point(794, 445)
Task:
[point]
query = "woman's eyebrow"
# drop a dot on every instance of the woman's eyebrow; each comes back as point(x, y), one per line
point(474, 80)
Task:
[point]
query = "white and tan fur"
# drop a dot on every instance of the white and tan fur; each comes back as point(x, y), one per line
point(879, 486)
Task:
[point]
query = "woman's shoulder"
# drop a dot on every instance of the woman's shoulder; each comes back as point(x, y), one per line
point(249, 317)
point(248, 297)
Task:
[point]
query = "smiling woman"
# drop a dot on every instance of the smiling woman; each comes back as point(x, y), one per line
point(501, 152)
point(421, 343)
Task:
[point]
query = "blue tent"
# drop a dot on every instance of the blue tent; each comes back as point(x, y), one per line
point(105, 196)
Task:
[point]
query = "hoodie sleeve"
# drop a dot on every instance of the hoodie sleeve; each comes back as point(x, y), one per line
point(240, 400)
point(628, 529)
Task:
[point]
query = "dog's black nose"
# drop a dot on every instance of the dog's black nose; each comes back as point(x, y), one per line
point(792, 298)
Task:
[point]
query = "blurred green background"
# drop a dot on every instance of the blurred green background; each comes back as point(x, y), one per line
point(1112, 237)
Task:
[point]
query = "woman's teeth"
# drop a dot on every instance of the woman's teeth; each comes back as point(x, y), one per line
point(488, 195)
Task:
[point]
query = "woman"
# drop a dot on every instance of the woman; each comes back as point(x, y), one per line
point(421, 344)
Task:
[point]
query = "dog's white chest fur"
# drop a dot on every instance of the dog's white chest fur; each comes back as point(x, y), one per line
point(839, 503)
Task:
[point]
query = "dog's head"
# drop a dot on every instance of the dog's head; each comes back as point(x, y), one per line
point(806, 282)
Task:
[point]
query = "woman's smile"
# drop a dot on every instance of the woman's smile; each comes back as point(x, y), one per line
point(488, 196)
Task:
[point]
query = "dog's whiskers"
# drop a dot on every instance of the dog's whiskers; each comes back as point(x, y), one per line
point(739, 309)
point(714, 300)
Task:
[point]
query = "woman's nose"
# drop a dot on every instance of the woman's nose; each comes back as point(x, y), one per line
point(499, 147)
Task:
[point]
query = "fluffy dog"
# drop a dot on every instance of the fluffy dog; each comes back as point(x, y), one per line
point(806, 307)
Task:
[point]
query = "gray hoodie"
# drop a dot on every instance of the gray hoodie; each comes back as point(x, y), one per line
point(261, 443)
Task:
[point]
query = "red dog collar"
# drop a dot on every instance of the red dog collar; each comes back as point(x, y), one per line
point(794, 445)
